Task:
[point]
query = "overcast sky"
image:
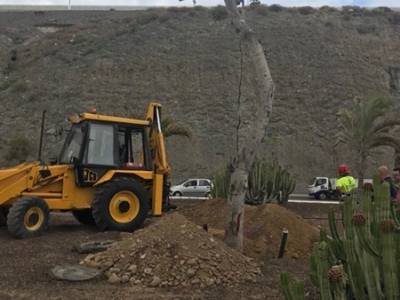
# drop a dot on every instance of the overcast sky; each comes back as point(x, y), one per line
point(314, 3)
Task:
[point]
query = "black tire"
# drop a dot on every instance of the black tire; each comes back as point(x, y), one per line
point(3, 216)
point(84, 217)
point(18, 223)
point(177, 194)
point(108, 193)
point(322, 196)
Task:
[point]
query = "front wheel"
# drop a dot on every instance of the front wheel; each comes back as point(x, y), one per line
point(177, 194)
point(121, 204)
point(28, 217)
point(322, 196)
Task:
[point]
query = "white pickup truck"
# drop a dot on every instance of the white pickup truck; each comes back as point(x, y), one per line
point(323, 188)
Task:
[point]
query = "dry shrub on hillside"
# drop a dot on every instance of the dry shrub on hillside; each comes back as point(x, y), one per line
point(126, 20)
point(219, 12)
point(147, 17)
point(200, 8)
point(173, 12)
point(366, 28)
point(327, 8)
point(306, 10)
point(395, 18)
point(261, 9)
point(275, 8)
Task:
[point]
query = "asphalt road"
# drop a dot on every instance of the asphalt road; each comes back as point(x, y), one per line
point(295, 198)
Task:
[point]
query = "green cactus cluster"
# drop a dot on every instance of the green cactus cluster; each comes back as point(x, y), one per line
point(365, 262)
point(267, 182)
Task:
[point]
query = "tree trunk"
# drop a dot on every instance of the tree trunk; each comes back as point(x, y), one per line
point(251, 128)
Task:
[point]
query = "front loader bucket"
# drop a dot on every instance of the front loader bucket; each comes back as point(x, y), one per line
point(13, 181)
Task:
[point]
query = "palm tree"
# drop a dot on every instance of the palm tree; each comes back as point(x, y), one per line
point(366, 127)
point(171, 127)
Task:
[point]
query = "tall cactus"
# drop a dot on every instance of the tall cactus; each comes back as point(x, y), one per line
point(221, 183)
point(365, 262)
point(266, 182)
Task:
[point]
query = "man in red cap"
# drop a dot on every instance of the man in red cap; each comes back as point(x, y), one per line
point(346, 183)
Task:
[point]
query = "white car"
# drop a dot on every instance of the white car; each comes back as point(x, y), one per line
point(193, 187)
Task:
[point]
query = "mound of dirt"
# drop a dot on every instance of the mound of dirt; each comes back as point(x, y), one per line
point(174, 252)
point(262, 230)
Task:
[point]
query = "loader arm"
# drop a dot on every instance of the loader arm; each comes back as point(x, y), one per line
point(162, 172)
point(156, 142)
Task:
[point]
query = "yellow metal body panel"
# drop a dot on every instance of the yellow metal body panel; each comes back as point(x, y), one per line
point(157, 195)
point(147, 175)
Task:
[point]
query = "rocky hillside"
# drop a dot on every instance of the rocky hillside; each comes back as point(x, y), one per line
point(189, 60)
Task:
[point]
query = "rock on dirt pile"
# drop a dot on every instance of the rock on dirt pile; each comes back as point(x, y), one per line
point(174, 252)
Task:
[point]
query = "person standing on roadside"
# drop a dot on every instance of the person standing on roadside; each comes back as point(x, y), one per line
point(346, 183)
point(386, 177)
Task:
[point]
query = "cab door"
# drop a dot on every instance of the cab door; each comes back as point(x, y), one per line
point(100, 154)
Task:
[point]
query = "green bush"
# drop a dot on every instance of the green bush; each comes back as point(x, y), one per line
point(18, 150)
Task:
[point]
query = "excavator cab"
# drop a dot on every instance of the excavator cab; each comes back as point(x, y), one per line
point(112, 172)
point(95, 147)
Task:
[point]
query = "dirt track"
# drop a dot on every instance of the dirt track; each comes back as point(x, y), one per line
point(25, 265)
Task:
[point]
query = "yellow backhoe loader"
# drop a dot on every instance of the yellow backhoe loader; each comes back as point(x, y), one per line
point(112, 172)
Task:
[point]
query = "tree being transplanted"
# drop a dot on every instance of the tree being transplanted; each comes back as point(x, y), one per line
point(170, 127)
point(251, 127)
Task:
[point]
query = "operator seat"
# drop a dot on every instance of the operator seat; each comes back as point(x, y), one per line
point(128, 165)
point(133, 166)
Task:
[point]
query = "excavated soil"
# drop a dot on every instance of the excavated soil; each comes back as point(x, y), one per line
point(262, 230)
point(25, 264)
point(174, 252)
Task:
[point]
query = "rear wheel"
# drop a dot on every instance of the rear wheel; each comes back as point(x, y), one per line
point(84, 217)
point(121, 204)
point(28, 217)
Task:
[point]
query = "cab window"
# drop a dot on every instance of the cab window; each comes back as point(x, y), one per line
point(73, 144)
point(100, 149)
